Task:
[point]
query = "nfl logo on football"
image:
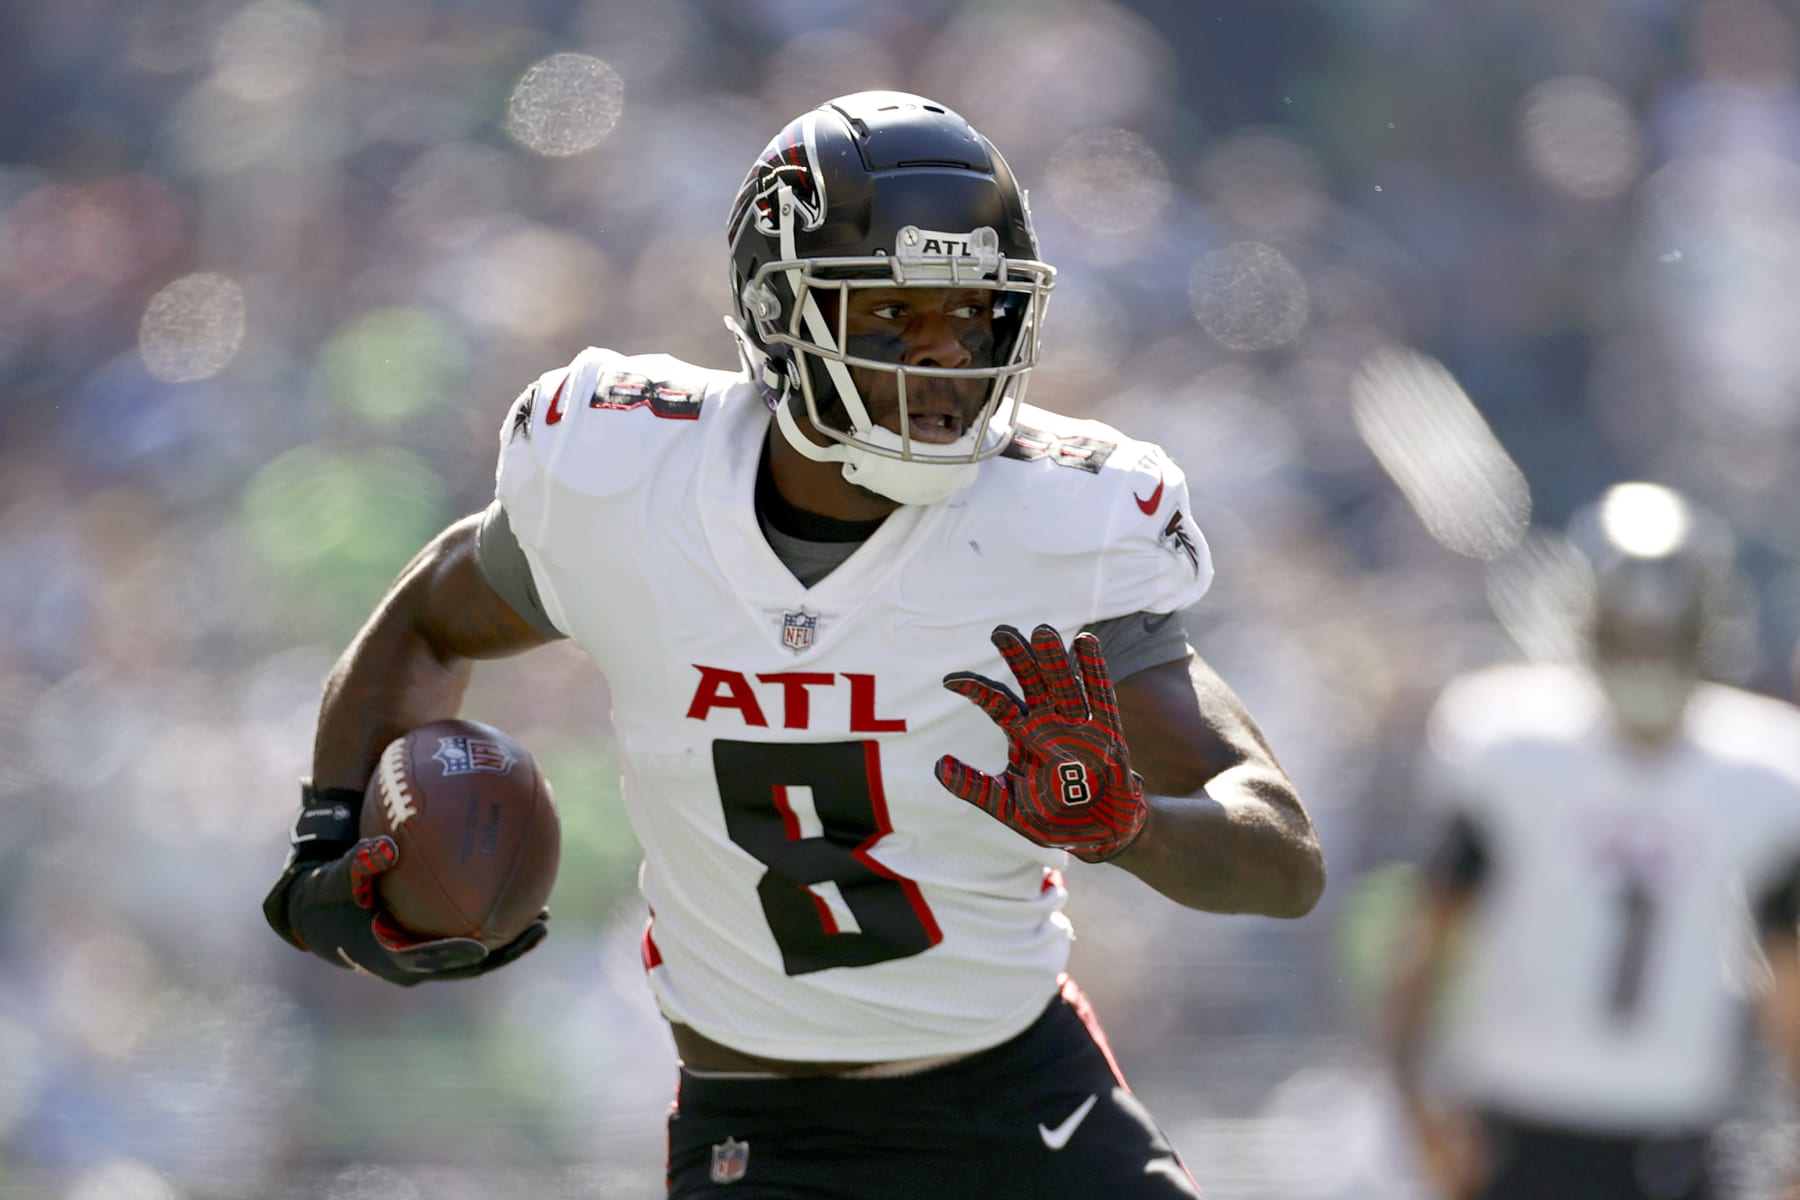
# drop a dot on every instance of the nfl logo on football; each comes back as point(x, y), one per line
point(731, 1158)
point(467, 755)
point(797, 629)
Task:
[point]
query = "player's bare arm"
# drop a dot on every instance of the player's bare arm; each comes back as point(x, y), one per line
point(1778, 1008)
point(407, 666)
point(411, 661)
point(1209, 818)
point(1226, 830)
point(1449, 1141)
point(1779, 1013)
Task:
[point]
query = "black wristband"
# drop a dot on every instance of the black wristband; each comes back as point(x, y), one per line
point(329, 823)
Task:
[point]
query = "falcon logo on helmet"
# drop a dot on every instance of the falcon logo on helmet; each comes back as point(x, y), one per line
point(788, 161)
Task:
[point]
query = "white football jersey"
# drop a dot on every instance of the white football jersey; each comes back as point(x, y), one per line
point(815, 894)
point(1603, 979)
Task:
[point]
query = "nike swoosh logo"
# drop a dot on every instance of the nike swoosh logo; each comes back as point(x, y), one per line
point(1149, 506)
point(556, 411)
point(1059, 1137)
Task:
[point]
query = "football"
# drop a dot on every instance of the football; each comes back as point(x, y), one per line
point(477, 829)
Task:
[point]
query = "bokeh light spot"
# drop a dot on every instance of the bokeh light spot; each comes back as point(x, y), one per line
point(1248, 296)
point(565, 104)
point(1265, 186)
point(1109, 180)
point(1579, 136)
point(1644, 519)
point(268, 49)
point(1426, 433)
point(192, 328)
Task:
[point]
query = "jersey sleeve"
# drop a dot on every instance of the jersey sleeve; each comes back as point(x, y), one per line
point(1107, 513)
point(550, 443)
point(1155, 552)
point(1140, 641)
point(1446, 781)
point(580, 438)
point(507, 570)
point(548, 449)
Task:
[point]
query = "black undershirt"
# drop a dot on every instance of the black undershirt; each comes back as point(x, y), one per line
point(774, 508)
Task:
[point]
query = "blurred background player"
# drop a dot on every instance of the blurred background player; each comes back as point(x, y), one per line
point(1615, 831)
point(788, 575)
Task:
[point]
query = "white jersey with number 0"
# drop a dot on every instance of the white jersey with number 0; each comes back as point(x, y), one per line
point(815, 893)
point(1604, 976)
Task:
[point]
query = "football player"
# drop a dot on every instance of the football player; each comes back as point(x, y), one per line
point(885, 645)
point(1619, 837)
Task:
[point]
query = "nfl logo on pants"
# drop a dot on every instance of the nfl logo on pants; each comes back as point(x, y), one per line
point(731, 1158)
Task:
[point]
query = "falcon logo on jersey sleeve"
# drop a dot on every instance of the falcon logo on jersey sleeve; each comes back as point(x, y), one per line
point(520, 425)
point(1178, 540)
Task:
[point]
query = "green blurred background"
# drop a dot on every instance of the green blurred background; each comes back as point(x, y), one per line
point(1400, 284)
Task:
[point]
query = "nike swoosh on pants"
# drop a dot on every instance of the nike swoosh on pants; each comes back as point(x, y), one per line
point(1059, 1137)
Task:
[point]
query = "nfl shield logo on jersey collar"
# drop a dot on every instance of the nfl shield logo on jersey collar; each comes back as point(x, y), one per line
point(798, 629)
point(730, 1160)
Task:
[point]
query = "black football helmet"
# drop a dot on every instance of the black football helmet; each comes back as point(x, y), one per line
point(881, 189)
point(1661, 568)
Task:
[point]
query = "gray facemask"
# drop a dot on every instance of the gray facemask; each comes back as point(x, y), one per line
point(1647, 699)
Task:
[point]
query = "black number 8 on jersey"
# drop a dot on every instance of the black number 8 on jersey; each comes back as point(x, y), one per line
point(891, 918)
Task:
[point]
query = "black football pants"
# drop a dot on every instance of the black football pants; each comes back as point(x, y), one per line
point(1544, 1162)
point(1043, 1115)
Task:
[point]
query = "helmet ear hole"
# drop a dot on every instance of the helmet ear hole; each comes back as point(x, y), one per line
point(759, 302)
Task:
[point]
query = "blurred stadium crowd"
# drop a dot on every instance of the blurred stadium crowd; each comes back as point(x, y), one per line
point(1400, 284)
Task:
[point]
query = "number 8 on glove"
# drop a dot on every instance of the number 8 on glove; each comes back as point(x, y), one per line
point(1068, 782)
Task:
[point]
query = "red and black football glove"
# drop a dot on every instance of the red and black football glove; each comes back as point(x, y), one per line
point(325, 903)
point(1068, 782)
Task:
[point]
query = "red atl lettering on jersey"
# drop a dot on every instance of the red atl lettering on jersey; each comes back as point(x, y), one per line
point(795, 703)
point(721, 687)
point(862, 708)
